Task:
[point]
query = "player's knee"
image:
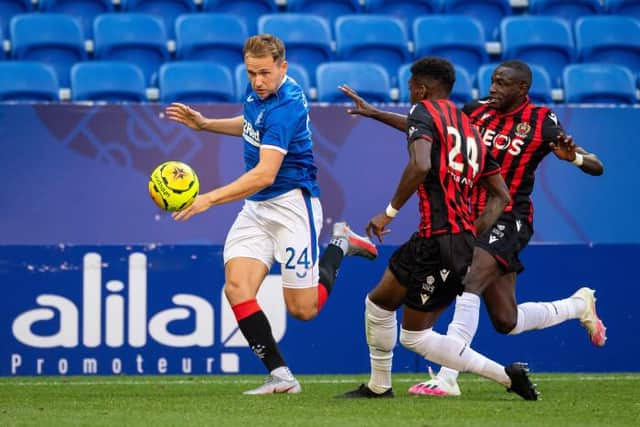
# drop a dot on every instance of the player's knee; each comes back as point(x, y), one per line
point(302, 311)
point(236, 292)
point(504, 323)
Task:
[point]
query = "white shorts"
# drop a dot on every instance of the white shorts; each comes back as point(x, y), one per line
point(285, 229)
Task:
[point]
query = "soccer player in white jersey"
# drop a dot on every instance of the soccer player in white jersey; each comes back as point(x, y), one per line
point(282, 215)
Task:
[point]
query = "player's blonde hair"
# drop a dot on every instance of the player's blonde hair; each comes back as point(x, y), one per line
point(264, 45)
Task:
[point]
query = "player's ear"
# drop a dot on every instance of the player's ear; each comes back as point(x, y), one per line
point(284, 66)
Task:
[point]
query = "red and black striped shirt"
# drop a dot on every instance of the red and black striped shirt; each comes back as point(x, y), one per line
point(518, 140)
point(458, 161)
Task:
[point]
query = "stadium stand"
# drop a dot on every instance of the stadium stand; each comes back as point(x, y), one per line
point(296, 71)
point(10, 8)
point(599, 83)
point(248, 10)
point(488, 12)
point(539, 40)
point(195, 81)
point(133, 37)
point(28, 81)
point(456, 37)
point(167, 10)
point(540, 91)
point(570, 10)
point(609, 39)
point(83, 10)
point(211, 37)
point(307, 38)
point(373, 38)
point(330, 9)
point(370, 80)
point(462, 89)
point(111, 81)
point(407, 10)
point(624, 7)
point(58, 42)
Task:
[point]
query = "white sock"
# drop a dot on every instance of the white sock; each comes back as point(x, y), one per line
point(463, 326)
point(382, 334)
point(542, 315)
point(282, 372)
point(454, 353)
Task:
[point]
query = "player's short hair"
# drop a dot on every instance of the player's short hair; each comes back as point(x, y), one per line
point(263, 45)
point(434, 68)
point(522, 69)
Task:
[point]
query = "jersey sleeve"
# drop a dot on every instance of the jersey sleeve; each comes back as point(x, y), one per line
point(491, 165)
point(280, 126)
point(420, 124)
point(551, 127)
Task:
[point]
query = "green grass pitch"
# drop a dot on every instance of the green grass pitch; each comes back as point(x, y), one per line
point(566, 400)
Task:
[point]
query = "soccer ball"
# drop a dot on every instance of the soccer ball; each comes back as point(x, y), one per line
point(173, 186)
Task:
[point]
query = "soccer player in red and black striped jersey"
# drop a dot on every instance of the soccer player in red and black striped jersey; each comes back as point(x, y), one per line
point(519, 135)
point(447, 160)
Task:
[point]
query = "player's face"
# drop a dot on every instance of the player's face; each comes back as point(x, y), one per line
point(265, 74)
point(416, 91)
point(507, 90)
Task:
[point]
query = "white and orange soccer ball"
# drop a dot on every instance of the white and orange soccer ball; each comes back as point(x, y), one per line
point(173, 186)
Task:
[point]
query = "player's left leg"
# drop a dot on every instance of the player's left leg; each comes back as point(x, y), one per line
point(512, 319)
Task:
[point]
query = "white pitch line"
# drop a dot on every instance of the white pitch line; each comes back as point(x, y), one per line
point(546, 378)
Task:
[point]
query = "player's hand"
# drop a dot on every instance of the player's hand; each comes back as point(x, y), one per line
point(199, 205)
point(377, 226)
point(564, 147)
point(362, 107)
point(186, 115)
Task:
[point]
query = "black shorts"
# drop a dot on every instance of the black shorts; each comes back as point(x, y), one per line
point(432, 269)
point(504, 241)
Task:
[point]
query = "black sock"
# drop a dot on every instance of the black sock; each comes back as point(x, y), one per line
point(257, 331)
point(329, 266)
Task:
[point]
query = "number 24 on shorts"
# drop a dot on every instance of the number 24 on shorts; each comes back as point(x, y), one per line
point(302, 259)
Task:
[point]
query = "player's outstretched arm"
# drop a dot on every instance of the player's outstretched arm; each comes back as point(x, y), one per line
point(363, 108)
point(186, 115)
point(498, 199)
point(566, 149)
point(414, 174)
point(252, 181)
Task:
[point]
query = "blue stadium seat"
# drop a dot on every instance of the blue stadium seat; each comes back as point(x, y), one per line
point(539, 92)
point(83, 10)
point(111, 81)
point(329, 9)
point(407, 10)
point(489, 13)
point(132, 37)
point(167, 10)
point(539, 40)
point(195, 81)
point(307, 37)
point(609, 39)
point(373, 38)
point(248, 10)
point(456, 37)
point(569, 10)
point(295, 71)
point(461, 93)
point(368, 79)
point(212, 37)
point(27, 81)
point(10, 8)
point(599, 83)
point(58, 42)
point(624, 7)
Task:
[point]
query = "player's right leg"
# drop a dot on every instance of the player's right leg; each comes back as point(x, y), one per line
point(248, 255)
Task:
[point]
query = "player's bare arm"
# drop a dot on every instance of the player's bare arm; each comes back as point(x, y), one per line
point(498, 199)
point(258, 178)
point(566, 149)
point(363, 108)
point(186, 115)
point(414, 174)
